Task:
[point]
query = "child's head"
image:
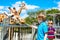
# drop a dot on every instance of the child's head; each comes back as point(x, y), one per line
point(50, 23)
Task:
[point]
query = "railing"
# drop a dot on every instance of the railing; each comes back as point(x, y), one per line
point(26, 33)
point(23, 31)
point(1, 31)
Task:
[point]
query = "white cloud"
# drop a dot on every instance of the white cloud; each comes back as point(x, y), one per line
point(54, 7)
point(51, 8)
point(58, 5)
point(24, 14)
point(1, 11)
point(1, 7)
point(32, 6)
point(17, 4)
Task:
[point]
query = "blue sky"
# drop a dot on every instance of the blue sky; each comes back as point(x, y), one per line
point(44, 4)
point(31, 4)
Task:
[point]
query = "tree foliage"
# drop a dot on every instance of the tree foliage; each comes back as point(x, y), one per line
point(32, 15)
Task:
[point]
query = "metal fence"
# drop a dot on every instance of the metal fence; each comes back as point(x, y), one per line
point(15, 32)
point(20, 32)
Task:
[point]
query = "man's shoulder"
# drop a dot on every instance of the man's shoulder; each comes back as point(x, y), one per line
point(43, 23)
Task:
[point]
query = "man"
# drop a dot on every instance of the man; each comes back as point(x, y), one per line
point(42, 28)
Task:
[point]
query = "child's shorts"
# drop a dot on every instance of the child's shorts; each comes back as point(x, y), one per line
point(51, 37)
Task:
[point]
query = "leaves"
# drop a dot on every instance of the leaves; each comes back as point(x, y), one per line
point(52, 11)
point(32, 15)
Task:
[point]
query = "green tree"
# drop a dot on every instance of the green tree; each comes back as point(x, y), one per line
point(32, 15)
point(31, 18)
point(52, 11)
point(40, 11)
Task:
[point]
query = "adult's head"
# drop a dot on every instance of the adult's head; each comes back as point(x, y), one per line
point(41, 17)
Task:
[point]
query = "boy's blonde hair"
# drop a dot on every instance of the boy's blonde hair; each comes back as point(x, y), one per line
point(41, 15)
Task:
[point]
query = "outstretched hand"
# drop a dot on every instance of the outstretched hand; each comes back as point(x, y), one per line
point(32, 26)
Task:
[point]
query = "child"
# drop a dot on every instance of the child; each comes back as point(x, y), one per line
point(51, 31)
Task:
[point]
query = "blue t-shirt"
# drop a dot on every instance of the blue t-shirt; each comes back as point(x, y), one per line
point(42, 29)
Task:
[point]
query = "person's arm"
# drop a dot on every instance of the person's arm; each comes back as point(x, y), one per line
point(45, 36)
point(45, 30)
point(54, 31)
point(33, 26)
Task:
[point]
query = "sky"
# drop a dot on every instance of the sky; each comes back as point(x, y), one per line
point(31, 5)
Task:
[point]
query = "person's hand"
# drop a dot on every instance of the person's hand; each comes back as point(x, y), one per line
point(45, 37)
point(31, 25)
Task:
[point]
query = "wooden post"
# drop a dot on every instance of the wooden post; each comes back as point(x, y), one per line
point(9, 35)
point(18, 33)
point(12, 33)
